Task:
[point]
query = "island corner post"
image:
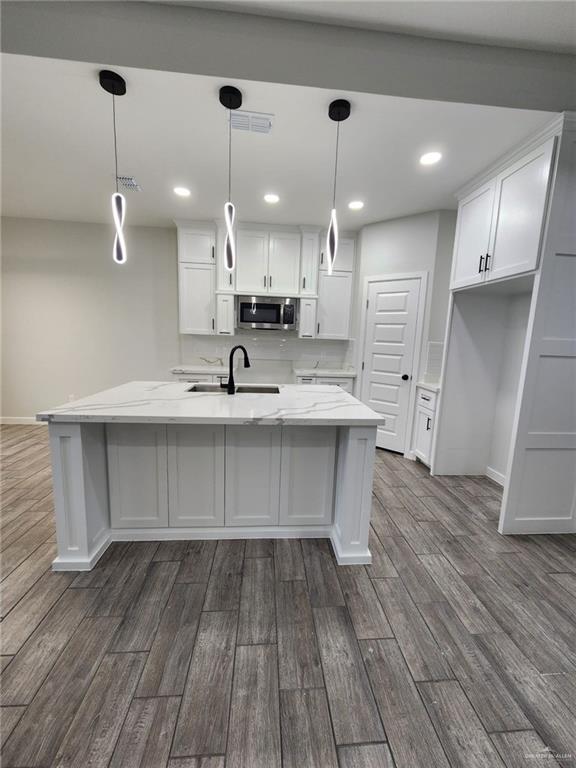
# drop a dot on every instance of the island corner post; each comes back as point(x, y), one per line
point(337, 467)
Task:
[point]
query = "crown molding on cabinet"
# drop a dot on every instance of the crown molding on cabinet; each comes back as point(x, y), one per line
point(553, 128)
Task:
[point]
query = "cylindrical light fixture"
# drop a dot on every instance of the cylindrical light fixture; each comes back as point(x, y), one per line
point(115, 85)
point(230, 98)
point(338, 111)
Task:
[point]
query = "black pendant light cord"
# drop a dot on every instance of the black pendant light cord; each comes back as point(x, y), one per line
point(230, 155)
point(336, 163)
point(115, 142)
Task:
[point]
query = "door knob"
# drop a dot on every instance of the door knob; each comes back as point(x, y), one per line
point(405, 377)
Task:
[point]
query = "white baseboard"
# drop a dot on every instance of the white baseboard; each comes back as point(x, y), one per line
point(346, 558)
point(30, 420)
point(68, 563)
point(524, 526)
point(498, 477)
point(225, 532)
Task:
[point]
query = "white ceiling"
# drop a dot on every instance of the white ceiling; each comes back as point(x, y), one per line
point(548, 25)
point(58, 161)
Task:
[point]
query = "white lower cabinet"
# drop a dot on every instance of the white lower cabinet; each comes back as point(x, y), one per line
point(137, 475)
point(423, 428)
point(307, 475)
point(196, 475)
point(344, 383)
point(206, 475)
point(252, 475)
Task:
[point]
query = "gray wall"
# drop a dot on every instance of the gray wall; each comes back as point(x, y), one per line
point(73, 322)
point(231, 45)
point(420, 243)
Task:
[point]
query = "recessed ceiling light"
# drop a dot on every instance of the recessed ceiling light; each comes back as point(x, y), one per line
point(271, 198)
point(182, 191)
point(356, 205)
point(430, 158)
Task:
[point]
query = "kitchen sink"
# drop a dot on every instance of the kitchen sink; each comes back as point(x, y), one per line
point(241, 389)
point(206, 388)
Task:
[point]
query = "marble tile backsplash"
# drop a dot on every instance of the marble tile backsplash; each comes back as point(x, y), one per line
point(273, 356)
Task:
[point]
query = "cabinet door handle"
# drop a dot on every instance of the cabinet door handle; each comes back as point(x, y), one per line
point(230, 276)
point(212, 323)
point(306, 336)
point(303, 282)
point(322, 257)
point(264, 281)
point(486, 267)
point(318, 329)
point(423, 397)
point(480, 264)
point(270, 281)
point(427, 423)
point(212, 251)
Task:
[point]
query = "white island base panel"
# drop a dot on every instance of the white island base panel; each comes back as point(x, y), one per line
point(90, 486)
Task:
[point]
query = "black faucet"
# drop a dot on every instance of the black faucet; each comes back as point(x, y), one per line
point(230, 386)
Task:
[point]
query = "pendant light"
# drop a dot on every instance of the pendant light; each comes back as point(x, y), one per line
point(230, 98)
point(338, 111)
point(115, 85)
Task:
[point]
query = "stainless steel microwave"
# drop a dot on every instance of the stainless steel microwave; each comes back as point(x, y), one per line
point(269, 313)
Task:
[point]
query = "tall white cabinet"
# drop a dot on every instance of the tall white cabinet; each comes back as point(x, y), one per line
point(507, 406)
point(197, 279)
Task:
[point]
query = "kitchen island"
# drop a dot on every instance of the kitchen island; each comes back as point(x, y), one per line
point(166, 461)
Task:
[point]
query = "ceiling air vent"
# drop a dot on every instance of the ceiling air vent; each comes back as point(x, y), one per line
point(257, 122)
point(129, 182)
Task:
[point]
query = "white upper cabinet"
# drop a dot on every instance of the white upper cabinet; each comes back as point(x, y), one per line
point(225, 280)
point(473, 236)
point(344, 257)
point(225, 314)
point(334, 302)
point(196, 298)
point(284, 263)
point(196, 245)
point(252, 261)
point(307, 319)
point(309, 264)
point(500, 224)
point(519, 214)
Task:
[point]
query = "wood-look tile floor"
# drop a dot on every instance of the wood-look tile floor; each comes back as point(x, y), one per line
point(456, 647)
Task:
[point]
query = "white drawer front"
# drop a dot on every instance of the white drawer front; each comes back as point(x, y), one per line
point(426, 399)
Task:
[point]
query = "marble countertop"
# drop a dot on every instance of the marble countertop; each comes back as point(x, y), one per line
point(170, 402)
point(431, 386)
point(345, 373)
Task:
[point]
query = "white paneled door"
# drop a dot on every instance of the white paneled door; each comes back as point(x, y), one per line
point(388, 359)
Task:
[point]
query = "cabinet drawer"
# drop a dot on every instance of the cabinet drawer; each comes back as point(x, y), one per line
point(344, 383)
point(306, 380)
point(426, 399)
point(195, 377)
